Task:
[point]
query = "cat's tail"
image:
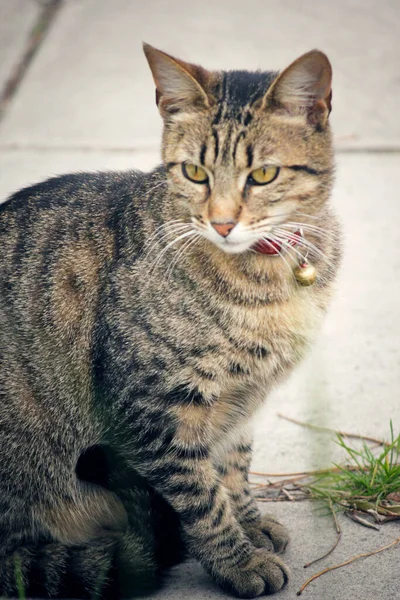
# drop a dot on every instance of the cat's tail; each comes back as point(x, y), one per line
point(102, 569)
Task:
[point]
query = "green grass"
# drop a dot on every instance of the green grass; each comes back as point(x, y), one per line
point(365, 481)
point(19, 579)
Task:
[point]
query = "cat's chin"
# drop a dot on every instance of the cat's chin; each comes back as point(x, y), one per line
point(232, 248)
point(245, 248)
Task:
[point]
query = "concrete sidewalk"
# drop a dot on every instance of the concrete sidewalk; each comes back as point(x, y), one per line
point(86, 102)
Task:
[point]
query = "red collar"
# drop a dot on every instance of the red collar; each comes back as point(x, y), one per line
point(274, 247)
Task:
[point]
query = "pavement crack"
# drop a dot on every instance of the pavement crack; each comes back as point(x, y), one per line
point(48, 13)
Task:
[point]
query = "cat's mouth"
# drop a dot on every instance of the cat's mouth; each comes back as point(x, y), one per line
point(271, 243)
point(274, 247)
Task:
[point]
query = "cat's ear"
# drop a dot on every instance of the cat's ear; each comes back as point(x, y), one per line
point(180, 86)
point(304, 88)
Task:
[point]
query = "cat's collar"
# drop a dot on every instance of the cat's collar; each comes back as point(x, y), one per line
point(304, 272)
point(273, 247)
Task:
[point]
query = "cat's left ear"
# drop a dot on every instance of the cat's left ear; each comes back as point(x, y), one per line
point(180, 86)
point(304, 88)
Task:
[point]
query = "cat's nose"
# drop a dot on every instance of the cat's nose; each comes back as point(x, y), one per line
point(223, 228)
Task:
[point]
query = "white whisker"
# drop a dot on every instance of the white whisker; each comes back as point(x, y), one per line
point(182, 236)
point(162, 241)
point(200, 226)
point(166, 226)
point(305, 243)
point(305, 215)
point(271, 222)
point(302, 242)
point(153, 241)
point(288, 246)
point(171, 230)
point(186, 245)
point(311, 228)
point(271, 239)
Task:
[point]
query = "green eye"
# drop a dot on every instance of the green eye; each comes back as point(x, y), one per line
point(194, 173)
point(263, 175)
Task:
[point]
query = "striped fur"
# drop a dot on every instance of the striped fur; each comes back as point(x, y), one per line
point(132, 362)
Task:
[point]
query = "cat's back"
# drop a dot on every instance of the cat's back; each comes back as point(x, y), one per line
point(70, 215)
point(58, 240)
point(68, 199)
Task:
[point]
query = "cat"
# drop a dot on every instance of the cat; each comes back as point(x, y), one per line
point(144, 319)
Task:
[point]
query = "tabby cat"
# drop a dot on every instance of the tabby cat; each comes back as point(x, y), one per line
point(144, 318)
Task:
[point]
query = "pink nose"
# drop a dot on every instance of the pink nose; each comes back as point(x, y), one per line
point(223, 228)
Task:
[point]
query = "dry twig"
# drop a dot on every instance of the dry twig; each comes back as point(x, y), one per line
point(354, 516)
point(287, 494)
point(339, 535)
point(341, 433)
point(298, 474)
point(343, 564)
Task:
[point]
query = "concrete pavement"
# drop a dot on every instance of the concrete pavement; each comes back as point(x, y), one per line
point(374, 578)
point(99, 91)
point(87, 102)
point(17, 19)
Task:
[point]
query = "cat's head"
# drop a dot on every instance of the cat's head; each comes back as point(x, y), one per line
point(246, 152)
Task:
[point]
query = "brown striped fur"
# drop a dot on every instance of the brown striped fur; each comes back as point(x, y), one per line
point(132, 360)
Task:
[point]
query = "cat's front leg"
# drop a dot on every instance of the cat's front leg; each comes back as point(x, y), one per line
point(180, 468)
point(262, 529)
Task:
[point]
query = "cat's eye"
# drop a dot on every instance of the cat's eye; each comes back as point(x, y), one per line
point(194, 173)
point(263, 175)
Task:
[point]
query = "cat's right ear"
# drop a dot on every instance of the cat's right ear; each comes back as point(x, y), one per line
point(180, 86)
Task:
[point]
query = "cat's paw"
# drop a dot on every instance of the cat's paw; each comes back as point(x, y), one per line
point(264, 573)
point(267, 533)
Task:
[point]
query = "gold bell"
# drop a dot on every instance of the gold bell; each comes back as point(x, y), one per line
point(305, 273)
